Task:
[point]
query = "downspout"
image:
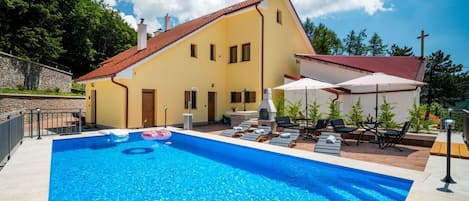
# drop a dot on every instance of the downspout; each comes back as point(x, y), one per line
point(262, 51)
point(126, 100)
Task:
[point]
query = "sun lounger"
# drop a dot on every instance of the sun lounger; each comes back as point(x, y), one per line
point(326, 146)
point(237, 130)
point(286, 139)
point(258, 135)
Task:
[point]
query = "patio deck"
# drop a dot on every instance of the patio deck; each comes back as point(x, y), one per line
point(26, 175)
point(412, 157)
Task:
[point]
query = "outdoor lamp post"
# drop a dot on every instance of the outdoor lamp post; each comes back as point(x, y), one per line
point(448, 179)
point(38, 123)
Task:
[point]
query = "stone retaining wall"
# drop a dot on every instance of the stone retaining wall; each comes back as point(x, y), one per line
point(9, 102)
point(16, 71)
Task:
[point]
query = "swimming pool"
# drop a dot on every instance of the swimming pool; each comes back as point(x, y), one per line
point(193, 168)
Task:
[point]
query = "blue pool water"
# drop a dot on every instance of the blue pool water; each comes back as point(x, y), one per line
point(192, 168)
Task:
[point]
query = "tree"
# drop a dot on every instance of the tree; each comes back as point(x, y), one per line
point(376, 47)
point(386, 116)
point(313, 111)
point(308, 26)
point(416, 115)
point(79, 33)
point(397, 51)
point(324, 40)
point(356, 114)
point(353, 43)
point(446, 83)
point(30, 29)
point(334, 112)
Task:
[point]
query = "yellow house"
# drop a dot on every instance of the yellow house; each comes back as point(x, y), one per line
point(218, 61)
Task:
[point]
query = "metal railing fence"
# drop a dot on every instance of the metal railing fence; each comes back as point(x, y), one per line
point(40, 121)
point(11, 133)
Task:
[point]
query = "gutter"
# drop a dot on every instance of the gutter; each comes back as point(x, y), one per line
point(262, 51)
point(126, 100)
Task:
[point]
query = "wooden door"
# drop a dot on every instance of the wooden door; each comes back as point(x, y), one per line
point(148, 107)
point(93, 107)
point(211, 106)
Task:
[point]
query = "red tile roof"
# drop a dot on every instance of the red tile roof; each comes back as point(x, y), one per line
point(409, 67)
point(131, 56)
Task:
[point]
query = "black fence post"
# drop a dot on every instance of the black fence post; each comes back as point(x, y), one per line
point(38, 123)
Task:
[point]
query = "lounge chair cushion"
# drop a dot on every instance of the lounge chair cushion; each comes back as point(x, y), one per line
point(285, 135)
point(331, 139)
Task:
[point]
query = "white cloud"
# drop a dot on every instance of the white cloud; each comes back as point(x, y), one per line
point(319, 8)
point(186, 10)
point(110, 2)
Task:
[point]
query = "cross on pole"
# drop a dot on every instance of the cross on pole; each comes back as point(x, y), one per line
point(422, 38)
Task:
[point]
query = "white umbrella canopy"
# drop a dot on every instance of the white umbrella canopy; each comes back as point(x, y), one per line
point(305, 84)
point(379, 79)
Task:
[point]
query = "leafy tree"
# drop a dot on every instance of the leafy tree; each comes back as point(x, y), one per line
point(353, 43)
point(417, 117)
point(398, 51)
point(280, 106)
point(334, 112)
point(324, 40)
point(79, 34)
point(30, 29)
point(292, 109)
point(313, 111)
point(446, 83)
point(386, 116)
point(356, 114)
point(308, 26)
point(376, 47)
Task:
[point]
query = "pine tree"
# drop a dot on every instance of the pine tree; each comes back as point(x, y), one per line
point(446, 83)
point(353, 43)
point(376, 47)
point(334, 112)
point(324, 40)
point(416, 115)
point(397, 51)
point(356, 114)
point(386, 116)
point(313, 112)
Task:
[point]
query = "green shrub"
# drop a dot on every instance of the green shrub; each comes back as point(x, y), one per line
point(356, 114)
point(313, 112)
point(280, 106)
point(417, 116)
point(386, 116)
point(334, 112)
point(20, 87)
point(292, 109)
point(56, 89)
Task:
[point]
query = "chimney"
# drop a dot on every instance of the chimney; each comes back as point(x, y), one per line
point(167, 24)
point(157, 32)
point(142, 36)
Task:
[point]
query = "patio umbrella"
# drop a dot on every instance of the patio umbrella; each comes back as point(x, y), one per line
point(305, 84)
point(381, 79)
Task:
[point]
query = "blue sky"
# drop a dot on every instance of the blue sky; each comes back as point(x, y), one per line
point(396, 21)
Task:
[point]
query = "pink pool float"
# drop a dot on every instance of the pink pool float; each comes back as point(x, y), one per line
point(156, 134)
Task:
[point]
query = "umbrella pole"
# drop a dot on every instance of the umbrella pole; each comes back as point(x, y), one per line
point(306, 112)
point(376, 108)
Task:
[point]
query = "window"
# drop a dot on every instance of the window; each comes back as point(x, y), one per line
point(233, 54)
point(246, 52)
point(187, 98)
point(249, 96)
point(235, 97)
point(194, 50)
point(212, 52)
point(279, 16)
